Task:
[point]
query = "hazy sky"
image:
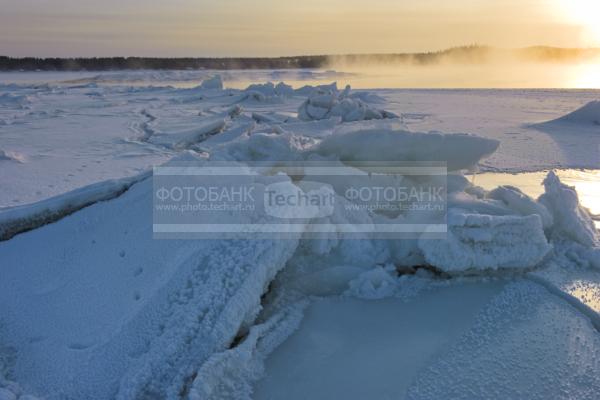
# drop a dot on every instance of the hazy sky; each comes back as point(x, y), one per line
point(287, 27)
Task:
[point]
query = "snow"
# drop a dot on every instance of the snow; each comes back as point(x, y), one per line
point(11, 156)
point(589, 114)
point(219, 377)
point(92, 307)
point(71, 134)
point(17, 219)
point(99, 291)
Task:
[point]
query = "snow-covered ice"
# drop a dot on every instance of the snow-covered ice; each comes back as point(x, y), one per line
point(100, 310)
point(589, 114)
point(91, 306)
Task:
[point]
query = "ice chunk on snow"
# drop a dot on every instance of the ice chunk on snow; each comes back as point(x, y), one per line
point(14, 100)
point(376, 283)
point(459, 151)
point(571, 220)
point(308, 90)
point(184, 139)
point(323, 104)
point(519, 202)
point(11, 156)
point(18, 219)
point(480, 242)
point(270, 90)
point(214, 82)
point(259, 146)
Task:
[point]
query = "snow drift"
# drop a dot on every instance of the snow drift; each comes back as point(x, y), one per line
point(589, 114)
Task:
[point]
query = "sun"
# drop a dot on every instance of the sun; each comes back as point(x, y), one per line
point(584, 13)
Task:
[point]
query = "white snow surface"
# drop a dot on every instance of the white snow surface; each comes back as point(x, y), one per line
point(100, 310)
point(92, 307)
point(58, 136)
point(589, 114)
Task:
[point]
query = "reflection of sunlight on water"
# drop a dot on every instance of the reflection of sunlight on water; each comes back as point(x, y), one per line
point(586, 183)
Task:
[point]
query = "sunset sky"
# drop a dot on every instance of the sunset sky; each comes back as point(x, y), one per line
point(282, 27)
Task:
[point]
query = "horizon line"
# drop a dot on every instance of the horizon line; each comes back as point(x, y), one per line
point(425, 52)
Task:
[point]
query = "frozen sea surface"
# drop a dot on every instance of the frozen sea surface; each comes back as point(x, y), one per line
point(67, 130)
point(91, 306)
point(355, 349)
point(493, 340)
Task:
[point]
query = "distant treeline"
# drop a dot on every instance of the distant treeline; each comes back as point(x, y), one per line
point(463, 54)
point(124, 63)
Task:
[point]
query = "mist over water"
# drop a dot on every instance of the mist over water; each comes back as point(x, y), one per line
point(468, 67)
point(514, 75)
point(492, 74)
point(476, 67)
point(572, 76)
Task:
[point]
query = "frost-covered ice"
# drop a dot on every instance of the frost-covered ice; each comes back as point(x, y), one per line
point(327, 103)
point(459, 341)
point(478, 241)
point(526, 343)
point(92, 307)
point(348, 348)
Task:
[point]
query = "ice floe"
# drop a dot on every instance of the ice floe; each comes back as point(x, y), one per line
point(481, 242)
point(324, 104)
point(212, 83)
point(571, 219)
